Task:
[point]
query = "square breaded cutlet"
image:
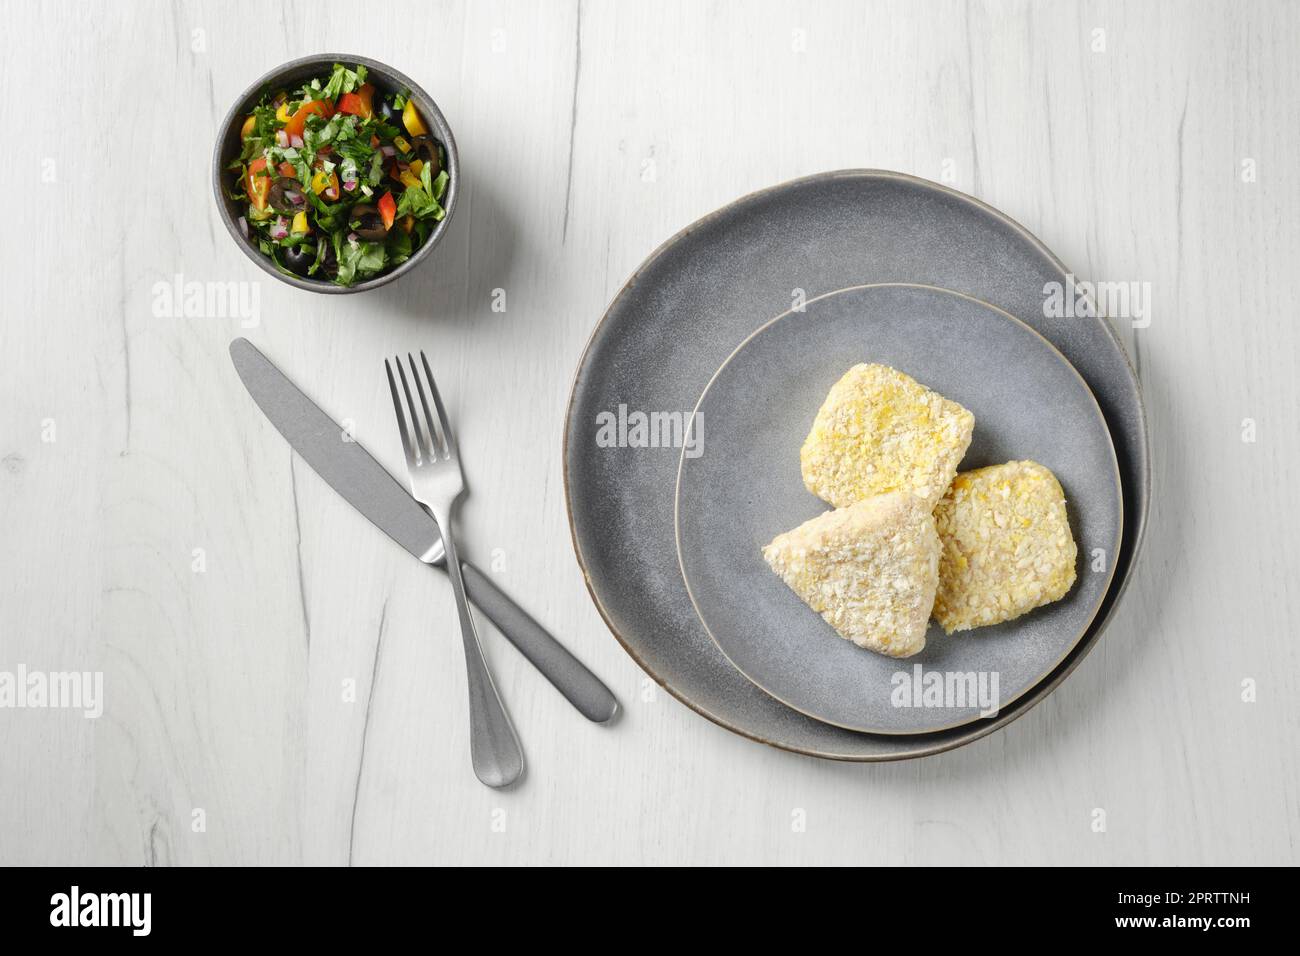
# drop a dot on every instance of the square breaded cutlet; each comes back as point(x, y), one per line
point(880, 430)
point(870, 570)
point(1006, 542)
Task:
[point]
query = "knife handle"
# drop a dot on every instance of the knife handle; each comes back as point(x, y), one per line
point(570, 676)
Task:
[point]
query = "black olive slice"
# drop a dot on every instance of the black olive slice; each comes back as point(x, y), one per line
point(426, 150)
point(367, 223)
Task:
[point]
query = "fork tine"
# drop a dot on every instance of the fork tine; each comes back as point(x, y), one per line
point(401, 417)
point(424, 448)
point(435, 433)
point(448, 439)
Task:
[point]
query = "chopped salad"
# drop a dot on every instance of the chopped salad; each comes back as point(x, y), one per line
point(340, 182)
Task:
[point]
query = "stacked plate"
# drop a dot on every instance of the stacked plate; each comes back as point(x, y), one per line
point(745, 319)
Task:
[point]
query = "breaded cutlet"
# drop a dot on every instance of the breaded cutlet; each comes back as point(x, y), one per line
point(880, 430)
point(870, 570)
point(1007, 547)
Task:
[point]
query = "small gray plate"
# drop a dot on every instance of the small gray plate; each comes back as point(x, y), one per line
point(740, 486)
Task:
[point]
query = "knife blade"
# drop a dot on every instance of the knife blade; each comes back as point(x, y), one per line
point(364, 483)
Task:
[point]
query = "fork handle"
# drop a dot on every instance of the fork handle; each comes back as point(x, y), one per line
point(494, 748)
point(567, 674)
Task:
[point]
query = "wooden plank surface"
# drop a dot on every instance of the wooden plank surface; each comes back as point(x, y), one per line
point(167, 538)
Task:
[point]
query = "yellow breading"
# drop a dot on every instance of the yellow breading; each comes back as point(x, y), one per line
point(880, 430)
point(1006, 545)
point(870, 570)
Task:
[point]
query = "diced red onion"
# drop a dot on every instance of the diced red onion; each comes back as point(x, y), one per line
point(295, 142)
point(297, 198)
point(388, 150)
point(281, 138)
point(353, 237)
point(280, 229)
point(349, 184)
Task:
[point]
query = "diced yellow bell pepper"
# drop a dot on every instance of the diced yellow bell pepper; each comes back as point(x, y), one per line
point(409, 181)
point(411, 119)
point(401, 144)
point(246, 130)
point(300, 225)
point(408, 223)
point(416, 166)
point(282, 112)
point(321, 181)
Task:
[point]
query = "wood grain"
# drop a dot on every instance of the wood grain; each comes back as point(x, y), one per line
point(589, 133)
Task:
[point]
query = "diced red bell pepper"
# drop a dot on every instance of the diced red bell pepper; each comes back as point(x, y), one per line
point(287, 171)
point(388, 209)
point(298, 121)
point(360, 103)
point(257, 183)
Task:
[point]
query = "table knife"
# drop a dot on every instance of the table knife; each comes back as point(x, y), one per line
point(350, 470)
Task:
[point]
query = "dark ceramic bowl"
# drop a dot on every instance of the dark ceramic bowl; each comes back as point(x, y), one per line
point(290, 76)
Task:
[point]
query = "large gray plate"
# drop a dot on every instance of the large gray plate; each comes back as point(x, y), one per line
point(741, 486)
point(680, 316)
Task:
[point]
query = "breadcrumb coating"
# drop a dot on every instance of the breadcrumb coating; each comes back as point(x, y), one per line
point(1007, 547)
point(880, 430)
point(870, 570)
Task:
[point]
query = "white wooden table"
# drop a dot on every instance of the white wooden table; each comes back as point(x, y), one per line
point(158, 530)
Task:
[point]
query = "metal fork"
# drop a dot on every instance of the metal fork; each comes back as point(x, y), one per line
point(437, 483)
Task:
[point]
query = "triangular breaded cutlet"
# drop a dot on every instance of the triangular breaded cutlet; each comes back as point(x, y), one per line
point(870, 570)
